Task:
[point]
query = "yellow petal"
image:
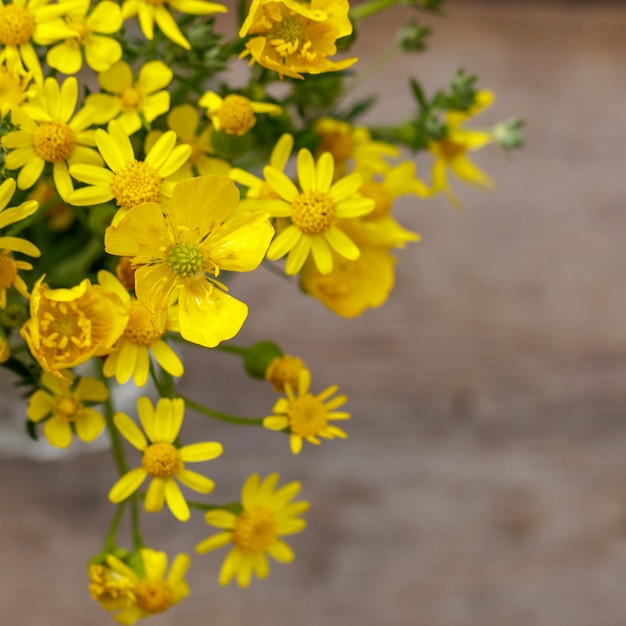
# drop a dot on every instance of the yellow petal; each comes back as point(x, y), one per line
point(130, 431)
point(205, 451)
point(58, 432)
point(176, 501)
point(127, 484)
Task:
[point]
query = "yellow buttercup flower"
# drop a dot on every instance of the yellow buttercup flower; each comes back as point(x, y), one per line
point(307, 416)
point(69, 326)
point(65, 405)
point(9, 267)
point(162, 460)
point(90, 37)
point(142, 336)
point(134, 594)
point(294, 38)
point(178, 255)
point(129, 181)
point(50, 131)
point(151, 11)
point(452, 152)
point(235, 114)
point(267, 515)
point(314, 212)
point(129, 100)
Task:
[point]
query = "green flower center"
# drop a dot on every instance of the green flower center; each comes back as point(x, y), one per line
point(185, 259)
point(313, 212)
point(289, 30)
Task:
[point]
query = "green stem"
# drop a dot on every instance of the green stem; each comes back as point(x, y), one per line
point(223, 417)
point(110, 542)
point(135, 523)
point(370, 8)
point(114, 435)
point(232, 349)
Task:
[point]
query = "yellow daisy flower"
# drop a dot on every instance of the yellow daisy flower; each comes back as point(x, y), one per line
point(129, 181)
point(69, 326)
point(143, 335)
point(64, 404)
point(150, 12)
point(24, 22)
point(267, 515)
point(90, 37)
point(51, 132)
point(307, 416)
point(15, 87)
point(9, 267)
point(452, 152)
point(162, 460)
point(179, 254)
point(314, 212)
point(234, 114)
point(129, 100)
point(136, 594)
point(294, 37)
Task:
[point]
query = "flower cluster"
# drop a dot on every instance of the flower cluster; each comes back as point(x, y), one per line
point(135, 183)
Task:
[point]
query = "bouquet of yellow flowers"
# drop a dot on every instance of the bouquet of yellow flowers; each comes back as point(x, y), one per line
point(135, 180)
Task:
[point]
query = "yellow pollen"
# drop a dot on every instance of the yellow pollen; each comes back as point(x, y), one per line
point(54, 141)
point(136, 183)
point(67, 408)
point(65, 329)
point(381, 196)
point(284, 369)
point(154, 596)
point(185, 259)
point(141, 327)
point(451, 150)
point(16, 25)
point(161, 460)
point(106, 589)
point(255, 530)
point(313, 212)
point(307, 416)
point(236, 116)
point(131, 99)
point(338, 143)
point(8, 270)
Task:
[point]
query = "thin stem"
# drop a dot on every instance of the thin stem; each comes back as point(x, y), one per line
point(116, 441)
point(223, 417)
point(370, 8)
point(223, 347)
point(110, 542)
point(135, 522)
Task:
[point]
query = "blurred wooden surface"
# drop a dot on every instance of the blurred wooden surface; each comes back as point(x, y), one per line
point(483, 481)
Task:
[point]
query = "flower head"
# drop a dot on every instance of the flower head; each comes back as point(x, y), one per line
point(139, 592)
point(284, 370)
point(65, 407)
point(162, 460)
point(51, 132)
point(179, 254)
point(294, 38)
point(267, 515)
point(306, 416)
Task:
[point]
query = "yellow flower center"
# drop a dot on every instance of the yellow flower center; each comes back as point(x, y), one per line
point(236, 116)
point(161, 460)
point(67, 408)
point(339, 143)
point(106, 589)
point(16, 25)
point(8, 270)
point(451, 150)
point(135, 183)
point(79, 26)
point(255, 530)
point(287, 33)
point(313, 212)
point(65, 328)
point(307, 416)
point(185, 259)
point(131, 99)
point(381, 196)
point(284, 369)
point(154, 596)
point(54, 141)
point(141, 327)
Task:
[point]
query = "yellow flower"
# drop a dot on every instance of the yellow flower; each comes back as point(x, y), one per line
point(307, 416)
point(15, 87)
point(9, 267)
point(294, 37)
point(89, 35)
point(162, 460)
point(177, 254)
point(132, 99)
point(284, 370)
point(143, 335)
point(314, 212)
point(133, 595)
point(184, 120)
point(5, 347)
point(267, 515)
point(64, 404)
point(451, 153)
point(234, 114)
point(24, 22)
point(150, 12)
point(50, 132)
point(129, 181)
point(69, 326)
